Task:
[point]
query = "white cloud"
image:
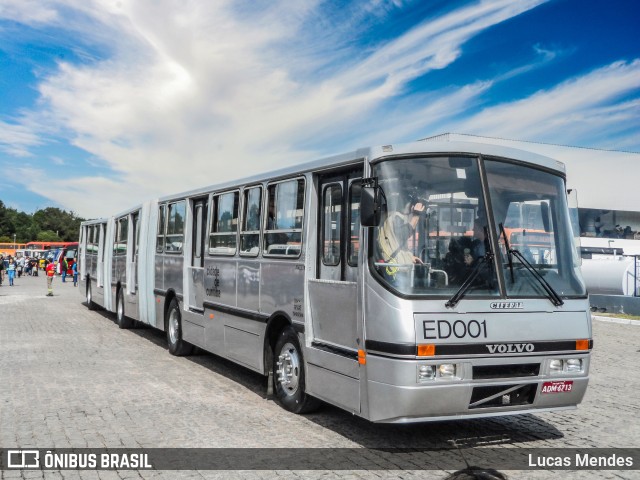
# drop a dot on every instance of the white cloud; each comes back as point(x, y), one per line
point(577, 109)
point(17, 139)
point(28, 11)
point(199, 92)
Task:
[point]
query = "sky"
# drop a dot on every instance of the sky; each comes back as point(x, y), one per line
point(107, 103)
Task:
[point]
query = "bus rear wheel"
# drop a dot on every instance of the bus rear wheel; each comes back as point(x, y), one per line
point(122, 320)
point(173, 322)
point(90, 304)
point(288, 374)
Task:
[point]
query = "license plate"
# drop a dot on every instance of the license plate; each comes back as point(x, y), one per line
point(562, 386)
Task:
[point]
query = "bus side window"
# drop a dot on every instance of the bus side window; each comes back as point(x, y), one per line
point(116, 235)
point(89, 229)
point(332, 225)
point(175, 227)
point(283, 232)
point(160, 232)
point(123, 232)
point(354, 223)
point(250, 232)
point(224, 224)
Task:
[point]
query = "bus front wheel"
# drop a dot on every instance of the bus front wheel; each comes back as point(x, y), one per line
point(173, 321)
point(288, 374)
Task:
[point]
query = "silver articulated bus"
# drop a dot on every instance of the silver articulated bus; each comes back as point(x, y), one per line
point(383, 281)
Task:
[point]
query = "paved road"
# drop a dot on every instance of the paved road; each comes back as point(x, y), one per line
point(70, 378)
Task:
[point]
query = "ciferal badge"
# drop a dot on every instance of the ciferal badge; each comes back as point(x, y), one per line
point(506, 305)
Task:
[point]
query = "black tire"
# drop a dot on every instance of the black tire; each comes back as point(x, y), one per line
point(121, 319)
point(173, 322)
point(289, 376)
point(89, 296)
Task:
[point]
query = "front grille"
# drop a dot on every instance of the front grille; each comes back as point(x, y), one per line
point(503, 396)
point(483, 372)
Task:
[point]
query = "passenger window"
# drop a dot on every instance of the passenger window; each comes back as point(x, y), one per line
point(161, 232)
point(224, 227)
point(250, 234)
point(90, 239)
point(332, 222)
point(283, 233)
point(175, 227)
point(123, 230)
point(102, 230)
point(354, 223)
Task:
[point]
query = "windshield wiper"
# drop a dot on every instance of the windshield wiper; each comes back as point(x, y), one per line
point(512, 252)
point(485, 261)
point(482, 262)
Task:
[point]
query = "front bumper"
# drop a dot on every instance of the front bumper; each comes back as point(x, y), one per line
point(395, 395)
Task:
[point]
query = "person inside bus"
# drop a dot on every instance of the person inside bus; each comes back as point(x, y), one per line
point(464, 253)
point(397, 229)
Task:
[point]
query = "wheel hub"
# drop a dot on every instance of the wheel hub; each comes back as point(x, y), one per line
point(288, 369)
point(173, 326)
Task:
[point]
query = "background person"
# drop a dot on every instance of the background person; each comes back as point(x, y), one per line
point(51, 271)
point(11, 270)
point(64, 265)
point(21, 263)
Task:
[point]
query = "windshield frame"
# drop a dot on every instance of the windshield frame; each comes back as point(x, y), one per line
point(496, 261)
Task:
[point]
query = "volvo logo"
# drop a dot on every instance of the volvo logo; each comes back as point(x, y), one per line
point(511, 347)
point(507, 305)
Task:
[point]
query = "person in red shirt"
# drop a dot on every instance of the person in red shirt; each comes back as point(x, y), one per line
point(51, 271)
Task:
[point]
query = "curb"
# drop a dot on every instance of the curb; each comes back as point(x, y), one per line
point(623, 321)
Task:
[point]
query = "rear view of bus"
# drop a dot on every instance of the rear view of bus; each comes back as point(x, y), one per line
point(458, 321)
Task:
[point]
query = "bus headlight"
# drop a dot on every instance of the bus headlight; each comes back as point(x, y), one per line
point(555, 366)
point(426, 372)
point(447, 370)
point(558, 366)
point(573, 365)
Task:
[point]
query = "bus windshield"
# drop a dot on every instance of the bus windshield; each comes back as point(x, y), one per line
point(532, 222)
point(435, 234)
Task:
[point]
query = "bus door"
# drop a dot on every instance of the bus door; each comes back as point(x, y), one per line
point(196, 268)
point(135, 238)
point(100, 235)
point(333, 293)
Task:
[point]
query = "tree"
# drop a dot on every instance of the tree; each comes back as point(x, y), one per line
point(51, 223)
point(7, 227)
point(48, 236)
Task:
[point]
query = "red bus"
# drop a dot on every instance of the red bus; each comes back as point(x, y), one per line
point(57, 252)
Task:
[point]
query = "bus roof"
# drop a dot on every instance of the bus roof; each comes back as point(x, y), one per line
point(372, 154)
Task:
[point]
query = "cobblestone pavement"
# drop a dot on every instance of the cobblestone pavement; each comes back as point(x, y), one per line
point(71, 378)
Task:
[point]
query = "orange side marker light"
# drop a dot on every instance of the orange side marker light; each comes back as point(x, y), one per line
point(362, 357)
point(426, 350)
point(582, 344)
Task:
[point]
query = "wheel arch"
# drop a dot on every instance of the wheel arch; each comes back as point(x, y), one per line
point(276, 323)
point(169, 297)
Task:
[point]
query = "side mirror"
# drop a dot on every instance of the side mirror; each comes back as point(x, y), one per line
point(370, 211)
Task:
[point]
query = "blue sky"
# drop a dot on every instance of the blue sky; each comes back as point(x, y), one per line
point(105, 103)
